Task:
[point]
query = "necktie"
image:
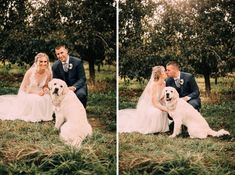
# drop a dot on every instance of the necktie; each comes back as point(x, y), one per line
point(66, 67)
point(177, 82)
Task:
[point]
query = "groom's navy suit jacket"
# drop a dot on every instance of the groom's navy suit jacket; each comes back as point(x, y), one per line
point(74, 77)
point(188, 88)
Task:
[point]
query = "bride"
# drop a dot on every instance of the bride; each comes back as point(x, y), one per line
point(32, 103)
point(150, 115)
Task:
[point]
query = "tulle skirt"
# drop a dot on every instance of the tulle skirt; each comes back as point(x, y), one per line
point(151, 120)
point(27, 107)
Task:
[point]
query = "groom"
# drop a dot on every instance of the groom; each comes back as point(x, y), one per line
point(186, 86)
point(71, 70)
point(184, 83)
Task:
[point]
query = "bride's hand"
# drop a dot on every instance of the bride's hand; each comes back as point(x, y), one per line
point(41, 93)
point(164, 109)
point(46, 90)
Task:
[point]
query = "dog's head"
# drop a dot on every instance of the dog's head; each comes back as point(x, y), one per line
point(170, 94)
point(57, 87)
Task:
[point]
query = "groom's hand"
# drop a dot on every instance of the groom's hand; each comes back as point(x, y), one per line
point(72, 88)
point(186, 98)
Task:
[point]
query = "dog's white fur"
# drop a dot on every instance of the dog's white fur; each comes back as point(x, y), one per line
point(71, 118)
point(183, 113)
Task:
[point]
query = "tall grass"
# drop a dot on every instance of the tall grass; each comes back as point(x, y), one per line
point(159, 154)
point(35, 148)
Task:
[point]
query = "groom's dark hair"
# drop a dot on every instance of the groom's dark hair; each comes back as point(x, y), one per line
point(174, 63)
point(61, 45)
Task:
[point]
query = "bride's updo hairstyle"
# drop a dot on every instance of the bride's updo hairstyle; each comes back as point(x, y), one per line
point(157, 71)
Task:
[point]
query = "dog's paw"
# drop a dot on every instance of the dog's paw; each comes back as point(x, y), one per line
point(57, 127)
point(56, 130)
point(172, 136)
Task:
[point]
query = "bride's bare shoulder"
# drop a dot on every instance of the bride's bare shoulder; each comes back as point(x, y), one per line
point(28, 72)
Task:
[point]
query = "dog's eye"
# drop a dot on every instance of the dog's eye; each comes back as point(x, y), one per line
point(171, 91)
point(54, 83)
point(61, 86)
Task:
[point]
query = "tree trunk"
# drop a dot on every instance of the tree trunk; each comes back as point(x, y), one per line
point(92, 71)
point(216, 78)
point(207, 84)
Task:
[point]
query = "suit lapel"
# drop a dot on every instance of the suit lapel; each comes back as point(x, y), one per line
point(181, 86)
point(71, 68)
point(173, 84)
point(61, 70)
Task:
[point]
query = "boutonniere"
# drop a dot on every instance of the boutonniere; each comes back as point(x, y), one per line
point(70, 66)
point(181, 82)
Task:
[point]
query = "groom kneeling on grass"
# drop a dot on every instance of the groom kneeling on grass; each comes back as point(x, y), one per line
point(71, 70)
point(185, 84)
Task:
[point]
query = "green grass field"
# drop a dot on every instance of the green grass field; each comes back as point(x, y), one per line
point(34, 148)
point(159, 154)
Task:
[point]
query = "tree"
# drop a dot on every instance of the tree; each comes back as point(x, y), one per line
point(13, 30)
point(87, 27)
point(133, 50)
point(211, 45)
point(198, 34)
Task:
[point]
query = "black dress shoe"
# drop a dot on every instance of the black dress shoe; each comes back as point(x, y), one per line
point(53, 117)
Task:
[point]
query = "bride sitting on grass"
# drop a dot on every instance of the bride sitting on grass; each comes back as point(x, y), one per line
point(32, 103)
point(149, 116)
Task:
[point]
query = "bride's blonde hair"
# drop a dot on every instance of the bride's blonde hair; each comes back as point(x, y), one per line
point(157, 71)
point(39, 55)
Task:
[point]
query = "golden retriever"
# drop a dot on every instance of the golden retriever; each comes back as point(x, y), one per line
point(71, 118)
point(183, 113)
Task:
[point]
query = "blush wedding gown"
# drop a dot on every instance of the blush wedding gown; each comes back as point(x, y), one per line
point(146, 118)
point(25, 106)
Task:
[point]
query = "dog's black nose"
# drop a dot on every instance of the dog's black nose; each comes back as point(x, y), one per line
point(56, 91)
point(167, 95)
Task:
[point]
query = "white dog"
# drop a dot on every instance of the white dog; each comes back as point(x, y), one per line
point(71, 118)
point(183, 113)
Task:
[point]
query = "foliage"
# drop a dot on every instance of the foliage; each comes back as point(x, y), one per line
point(198, 34)
point(29, 27)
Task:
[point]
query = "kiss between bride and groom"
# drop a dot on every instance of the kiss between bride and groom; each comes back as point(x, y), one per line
point(150, 115)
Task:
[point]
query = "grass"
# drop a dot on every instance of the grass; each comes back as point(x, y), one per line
point(159, 154)
point(35, 148)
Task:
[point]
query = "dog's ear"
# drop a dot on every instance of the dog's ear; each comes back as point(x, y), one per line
point(162, 97)
point(176, 94)
point(49, 84)
point(65, 89)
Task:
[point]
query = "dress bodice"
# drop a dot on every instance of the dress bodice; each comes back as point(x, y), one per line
point(159, 91)
point(37, 84)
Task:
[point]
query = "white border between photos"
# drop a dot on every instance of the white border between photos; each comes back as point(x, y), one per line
point(117, 87)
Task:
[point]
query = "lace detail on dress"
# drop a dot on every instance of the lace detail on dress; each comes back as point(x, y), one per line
point(37, 85)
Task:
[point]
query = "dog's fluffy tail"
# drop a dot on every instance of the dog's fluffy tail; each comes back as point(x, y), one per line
point(218, 133)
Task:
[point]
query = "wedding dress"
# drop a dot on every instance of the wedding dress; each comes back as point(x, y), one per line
point(27, 106)
point(145, 118)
